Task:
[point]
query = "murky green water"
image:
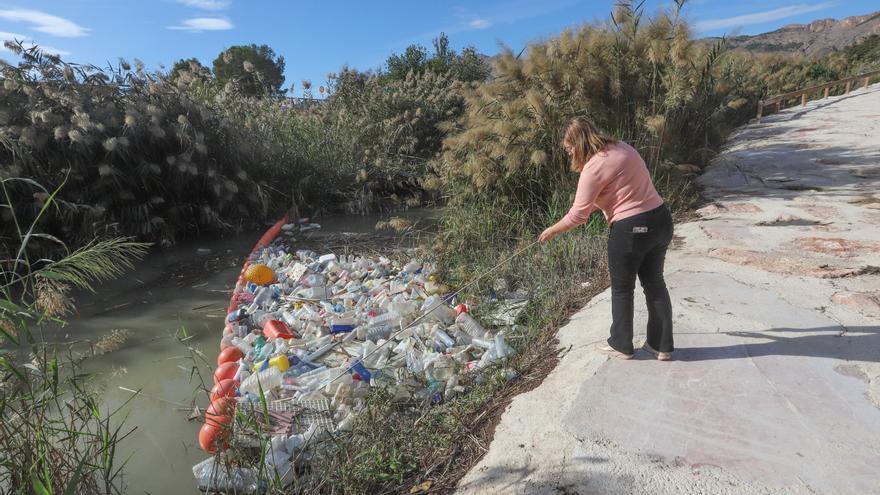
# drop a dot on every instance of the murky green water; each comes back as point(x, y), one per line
point(173, 295)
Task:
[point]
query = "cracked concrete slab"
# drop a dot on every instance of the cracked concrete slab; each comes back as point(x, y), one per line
point(775, 382)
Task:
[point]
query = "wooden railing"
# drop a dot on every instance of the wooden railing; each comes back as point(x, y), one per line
point(780, 100)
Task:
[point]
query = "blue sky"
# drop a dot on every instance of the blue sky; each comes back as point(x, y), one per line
point(317, 38)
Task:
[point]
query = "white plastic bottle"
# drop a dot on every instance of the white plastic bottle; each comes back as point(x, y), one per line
point(438, 309)
point(443, 338)
point(467, 323)
point(268, 379)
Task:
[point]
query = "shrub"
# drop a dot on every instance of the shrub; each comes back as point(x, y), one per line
point(387, 131)
point(139, 155)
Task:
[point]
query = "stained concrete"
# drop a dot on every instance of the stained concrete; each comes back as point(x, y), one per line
point(775, 382)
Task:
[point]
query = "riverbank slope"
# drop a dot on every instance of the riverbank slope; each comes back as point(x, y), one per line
point(775, 384)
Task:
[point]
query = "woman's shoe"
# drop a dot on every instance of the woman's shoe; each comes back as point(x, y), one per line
point(607, 349)
point(661, 356)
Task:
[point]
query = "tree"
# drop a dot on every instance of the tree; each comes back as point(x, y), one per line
point(255, 69)
point(191, 65)
point(413, 60)
point(443, 55)
point(469, 66)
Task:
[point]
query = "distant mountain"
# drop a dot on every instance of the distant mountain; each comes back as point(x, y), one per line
point(817, 38)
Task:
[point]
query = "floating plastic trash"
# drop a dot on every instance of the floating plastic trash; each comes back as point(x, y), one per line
point(314, 335)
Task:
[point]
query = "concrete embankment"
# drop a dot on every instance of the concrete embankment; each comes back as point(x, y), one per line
point(775, 383)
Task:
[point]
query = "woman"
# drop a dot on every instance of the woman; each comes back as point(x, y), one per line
point(614, 178)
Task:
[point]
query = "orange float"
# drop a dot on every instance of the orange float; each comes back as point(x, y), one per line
point(259, 274)
point(225, 371)
point(218, 419)
point(225, 388)
point(229, 355)
point(212, 438)
point(220, 411)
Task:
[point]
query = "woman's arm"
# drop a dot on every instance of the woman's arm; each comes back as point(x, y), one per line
point(583, 206)
point(554, 230)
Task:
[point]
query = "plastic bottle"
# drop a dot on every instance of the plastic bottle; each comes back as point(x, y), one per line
point(443, 338)
point(258, 343)
point(467, 323)
point(267, 379)
point(390, 319)
point(313, 280)
point(501, 348)
point(437, 308)
point(292, 443)
point(483, 343)
point(327, 258)
point(314, 293)
point(378, 332)
point(263, 296)
point(237, 315)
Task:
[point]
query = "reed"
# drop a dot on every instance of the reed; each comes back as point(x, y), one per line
point(55, 436)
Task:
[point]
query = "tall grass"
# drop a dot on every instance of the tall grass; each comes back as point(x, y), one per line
point(139, 155)
point(54, 435)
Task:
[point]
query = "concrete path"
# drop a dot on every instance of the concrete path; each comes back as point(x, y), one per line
point(775, 387)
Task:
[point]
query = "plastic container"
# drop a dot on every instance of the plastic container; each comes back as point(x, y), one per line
point(237, 315)
point(443, 338)
point(342, 325)
point(277, 329)
point(268, 379)
point(390, 318)
point(379, 332)
point(437, 309)
point(467, 323)
point(314, 293)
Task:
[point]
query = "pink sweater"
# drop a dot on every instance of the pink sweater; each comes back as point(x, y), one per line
point(616, 181)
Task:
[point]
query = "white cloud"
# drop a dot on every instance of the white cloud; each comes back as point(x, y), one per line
point(207, 4)
point(27, 42)
point(199, 24)
point(480, 23)
point(760, 17)
point(45, 23)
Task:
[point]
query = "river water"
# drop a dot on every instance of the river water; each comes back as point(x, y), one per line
point(171, 307)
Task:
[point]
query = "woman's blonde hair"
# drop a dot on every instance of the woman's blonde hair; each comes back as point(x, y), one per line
point(585, 141)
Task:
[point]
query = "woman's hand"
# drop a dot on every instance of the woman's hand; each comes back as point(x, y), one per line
point(549, 233)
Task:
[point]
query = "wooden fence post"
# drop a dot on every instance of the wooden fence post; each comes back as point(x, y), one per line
point(826, 91)
point(848, 87)
point(804, 100)
point(760, 110)
point(866, 82)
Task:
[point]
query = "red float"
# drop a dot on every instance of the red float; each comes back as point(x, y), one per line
point(220, 412)
point(212, 438)
point(226, 388)
point(230, 354)
point(225, 371)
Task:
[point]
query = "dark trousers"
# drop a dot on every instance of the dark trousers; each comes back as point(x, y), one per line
point(637, 247)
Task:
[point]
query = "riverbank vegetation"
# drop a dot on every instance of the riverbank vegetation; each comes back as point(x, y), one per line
point(160, 157)
point(165, 156)
point(55, 434)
